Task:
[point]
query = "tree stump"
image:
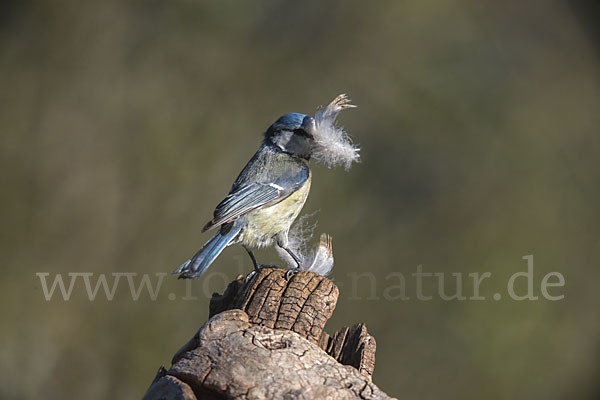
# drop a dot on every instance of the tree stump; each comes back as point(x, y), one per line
point(264, 340)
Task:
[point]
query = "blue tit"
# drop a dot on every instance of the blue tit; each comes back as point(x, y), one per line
point(270, 192)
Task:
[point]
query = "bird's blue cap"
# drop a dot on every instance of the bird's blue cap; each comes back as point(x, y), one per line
point(289, 121)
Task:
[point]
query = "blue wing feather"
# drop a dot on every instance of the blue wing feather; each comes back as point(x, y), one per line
point(275, 186)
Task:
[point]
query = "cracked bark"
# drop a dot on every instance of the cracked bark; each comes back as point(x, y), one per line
point(264, 340)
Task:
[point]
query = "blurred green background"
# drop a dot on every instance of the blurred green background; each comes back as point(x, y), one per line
point(125, 123)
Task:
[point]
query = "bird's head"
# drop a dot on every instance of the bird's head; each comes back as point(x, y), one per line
point(318, 137)
point(293, 133)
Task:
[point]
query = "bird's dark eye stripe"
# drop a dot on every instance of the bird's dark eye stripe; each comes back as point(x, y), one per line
point(302, 132)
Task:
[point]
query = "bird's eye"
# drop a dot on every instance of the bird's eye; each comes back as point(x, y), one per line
point(302, 132)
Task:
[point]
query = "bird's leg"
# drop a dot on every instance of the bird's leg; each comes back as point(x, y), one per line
point(291, 271)
point(254, 262)
point(294, 256)
point(282, 243)
point(258, 266)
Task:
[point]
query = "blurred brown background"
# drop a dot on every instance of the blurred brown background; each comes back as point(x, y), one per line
point(124, 123)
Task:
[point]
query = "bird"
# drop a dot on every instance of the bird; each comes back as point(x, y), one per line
point(271, 190)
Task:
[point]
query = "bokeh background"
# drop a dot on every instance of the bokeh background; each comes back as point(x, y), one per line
point(124, 123)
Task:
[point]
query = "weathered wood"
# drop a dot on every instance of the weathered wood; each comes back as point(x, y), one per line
point(352, 346)
point(265, 340)
point(168, 387)
point(302, 304)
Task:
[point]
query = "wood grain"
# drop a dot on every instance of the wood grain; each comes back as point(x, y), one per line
point(265, 340)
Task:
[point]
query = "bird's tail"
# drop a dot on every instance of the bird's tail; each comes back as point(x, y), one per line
point(195, 266)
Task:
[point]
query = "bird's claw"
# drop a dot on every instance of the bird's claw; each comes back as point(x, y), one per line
point(250, 275)
point(257, 268)
point(291, 272)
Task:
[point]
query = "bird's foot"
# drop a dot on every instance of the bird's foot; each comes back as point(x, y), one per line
point(250, 275)
point(257, 268)
point(291, 272)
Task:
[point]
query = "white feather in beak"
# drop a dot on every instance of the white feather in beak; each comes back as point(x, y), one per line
point(333, 146)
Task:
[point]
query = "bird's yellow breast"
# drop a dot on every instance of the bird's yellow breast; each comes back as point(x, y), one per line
point(264, 224)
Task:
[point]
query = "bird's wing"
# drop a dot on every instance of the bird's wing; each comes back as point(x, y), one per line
point(249, 197)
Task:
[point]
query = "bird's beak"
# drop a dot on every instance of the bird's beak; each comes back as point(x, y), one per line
point(308, 125)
